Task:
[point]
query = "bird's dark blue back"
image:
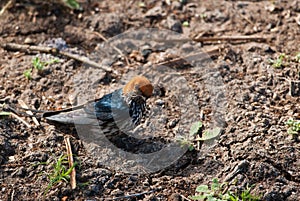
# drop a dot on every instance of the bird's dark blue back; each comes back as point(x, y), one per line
point(108, 106)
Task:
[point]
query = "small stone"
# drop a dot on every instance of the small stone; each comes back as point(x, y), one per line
point(160, 102)
point(172, 123)
point(28, 41)
point(173, 24)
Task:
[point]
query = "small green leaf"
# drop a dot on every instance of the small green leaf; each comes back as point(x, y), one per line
point(27, 73)
point(73, 4)
point(215, 185)
point(197, 197)
point(202, 189)
point(210, 134)
point(191, 147)
point(279, 62)
point(196, 126)
point(37, 63)
point(211, 198)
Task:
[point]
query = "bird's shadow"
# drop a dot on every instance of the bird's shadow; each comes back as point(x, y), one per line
point(113, 138)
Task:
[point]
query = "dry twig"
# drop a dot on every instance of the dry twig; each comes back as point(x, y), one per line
point(202, 56)
point(23, 105)
point(20, 119)
point(71, 163)
point(6, 6)
point(213, 39)
point(54, 51)
point(130, 196)
point(230, 38)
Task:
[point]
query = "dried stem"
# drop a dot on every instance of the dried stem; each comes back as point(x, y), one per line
point(71, 163)
point(54, 51)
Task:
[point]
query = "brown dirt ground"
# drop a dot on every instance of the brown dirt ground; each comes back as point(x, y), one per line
point(254, 147)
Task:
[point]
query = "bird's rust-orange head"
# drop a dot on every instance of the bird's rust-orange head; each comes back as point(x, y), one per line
point(139, 84)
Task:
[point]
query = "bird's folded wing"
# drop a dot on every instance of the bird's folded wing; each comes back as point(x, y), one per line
point(87, 113)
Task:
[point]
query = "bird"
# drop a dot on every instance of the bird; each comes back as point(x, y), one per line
point(124, 107)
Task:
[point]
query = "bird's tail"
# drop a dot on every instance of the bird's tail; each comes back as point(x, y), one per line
point(21, 111)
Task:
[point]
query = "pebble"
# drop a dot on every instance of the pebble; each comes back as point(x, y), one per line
point(172, 123)
point(159, 102)
point(28, 41)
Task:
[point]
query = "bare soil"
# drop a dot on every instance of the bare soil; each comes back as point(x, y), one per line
point(254, 147)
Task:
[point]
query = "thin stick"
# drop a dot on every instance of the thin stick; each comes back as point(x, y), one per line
point(71, 163)
point(54, 51)
point(28, 112)
point(12, 195)
point(185, 198)
point(20, 119)
point(130, 196)
point(221, 38)
point(6, 6)
point(202, 55)
point(230, 38)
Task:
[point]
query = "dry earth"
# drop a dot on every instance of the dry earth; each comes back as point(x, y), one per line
point(254, 147)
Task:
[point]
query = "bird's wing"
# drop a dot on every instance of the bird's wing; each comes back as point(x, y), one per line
point(99, 109)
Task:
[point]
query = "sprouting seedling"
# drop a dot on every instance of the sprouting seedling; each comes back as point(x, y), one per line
point(279, 62)
point(210, 134)
point(185, 142)
point(293, 127)
point(27, 73)
point(73, 4)
point(219, 192)
point(214, 192)
point(60, 172)
point(195, 128)
point(38, 64)
point(245, 195)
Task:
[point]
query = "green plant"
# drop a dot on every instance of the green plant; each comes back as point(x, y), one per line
point(39, 65)
point(209, 134)
point(293, 127)
point(185, 142)
point(219, 192)
point(214, 193)
point(27, 73)
point(73, 4)
point(194, 130)
point(60, 172)
point(245, 195)
point(279, 62)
